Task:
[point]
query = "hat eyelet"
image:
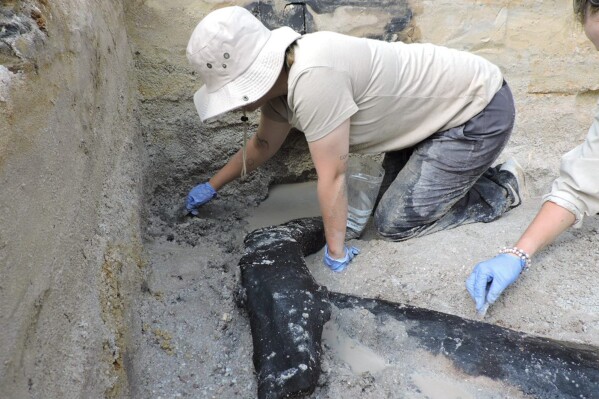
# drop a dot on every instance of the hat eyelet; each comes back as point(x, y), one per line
point(225, 66)
point(209, 65)
point(245, 98)
point(226, 55)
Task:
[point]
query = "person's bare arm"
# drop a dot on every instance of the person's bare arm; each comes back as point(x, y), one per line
point(330, 155)
point(550, 222)
point(260, 148)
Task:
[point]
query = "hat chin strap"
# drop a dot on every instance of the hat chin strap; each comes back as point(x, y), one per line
point(245, 121)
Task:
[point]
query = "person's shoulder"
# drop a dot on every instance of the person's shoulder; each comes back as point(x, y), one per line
point(323, 34)
point(319, 47)
point(311, 51)
point(319, 41)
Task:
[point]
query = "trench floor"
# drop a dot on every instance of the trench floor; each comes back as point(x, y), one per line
point(195, 342)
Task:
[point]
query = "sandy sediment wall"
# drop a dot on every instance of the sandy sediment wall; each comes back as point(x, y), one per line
point(69, 200)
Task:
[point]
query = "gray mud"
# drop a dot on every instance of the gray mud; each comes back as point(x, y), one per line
point(196, 342)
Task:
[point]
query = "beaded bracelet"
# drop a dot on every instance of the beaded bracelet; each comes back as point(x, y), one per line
point(524, 257)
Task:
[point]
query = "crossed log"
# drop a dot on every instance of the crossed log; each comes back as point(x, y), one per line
point(287, 311)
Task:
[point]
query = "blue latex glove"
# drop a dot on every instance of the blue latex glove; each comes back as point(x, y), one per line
point(198, 196)
point(338, 265)
point(500, 271)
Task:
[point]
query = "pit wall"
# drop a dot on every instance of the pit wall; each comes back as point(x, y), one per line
point(543, 52)
point(70, 248)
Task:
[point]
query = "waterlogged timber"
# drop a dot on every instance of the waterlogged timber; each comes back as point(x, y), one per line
point(541, 367)
point(288, 309)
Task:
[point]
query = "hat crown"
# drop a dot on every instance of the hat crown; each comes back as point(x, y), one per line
point(225, 44)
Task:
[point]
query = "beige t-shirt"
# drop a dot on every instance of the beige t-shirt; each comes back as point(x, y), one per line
point(395, 94)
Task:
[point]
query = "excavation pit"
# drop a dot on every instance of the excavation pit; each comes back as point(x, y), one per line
point(106, 291)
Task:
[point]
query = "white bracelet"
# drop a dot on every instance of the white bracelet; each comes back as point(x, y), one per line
point(524, 257)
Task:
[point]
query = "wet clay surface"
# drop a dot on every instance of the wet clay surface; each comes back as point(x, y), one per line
point(197, 343)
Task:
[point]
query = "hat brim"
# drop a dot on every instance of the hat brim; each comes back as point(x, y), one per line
point(251, 85)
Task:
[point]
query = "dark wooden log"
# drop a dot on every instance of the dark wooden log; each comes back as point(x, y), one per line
point(286, 307)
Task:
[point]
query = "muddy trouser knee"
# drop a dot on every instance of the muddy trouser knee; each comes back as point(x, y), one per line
point(447, 180)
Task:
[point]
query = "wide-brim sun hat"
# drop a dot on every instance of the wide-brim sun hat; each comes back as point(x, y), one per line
point(237, 58)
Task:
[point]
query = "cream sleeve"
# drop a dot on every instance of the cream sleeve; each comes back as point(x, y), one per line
point(321, 99)
point(577, 187)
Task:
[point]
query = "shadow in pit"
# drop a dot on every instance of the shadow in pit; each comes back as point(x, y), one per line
point(288, 309)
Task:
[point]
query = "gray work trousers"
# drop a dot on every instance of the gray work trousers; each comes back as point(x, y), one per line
point(447, 180)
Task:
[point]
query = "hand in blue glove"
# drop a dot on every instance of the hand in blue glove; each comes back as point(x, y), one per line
point(198, 196)
point(338, 265)
point(500, 271)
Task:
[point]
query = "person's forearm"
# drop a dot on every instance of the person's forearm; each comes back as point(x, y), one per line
point(550, 222)
point(332, 197)
point(229, 172)
point(256, 155)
